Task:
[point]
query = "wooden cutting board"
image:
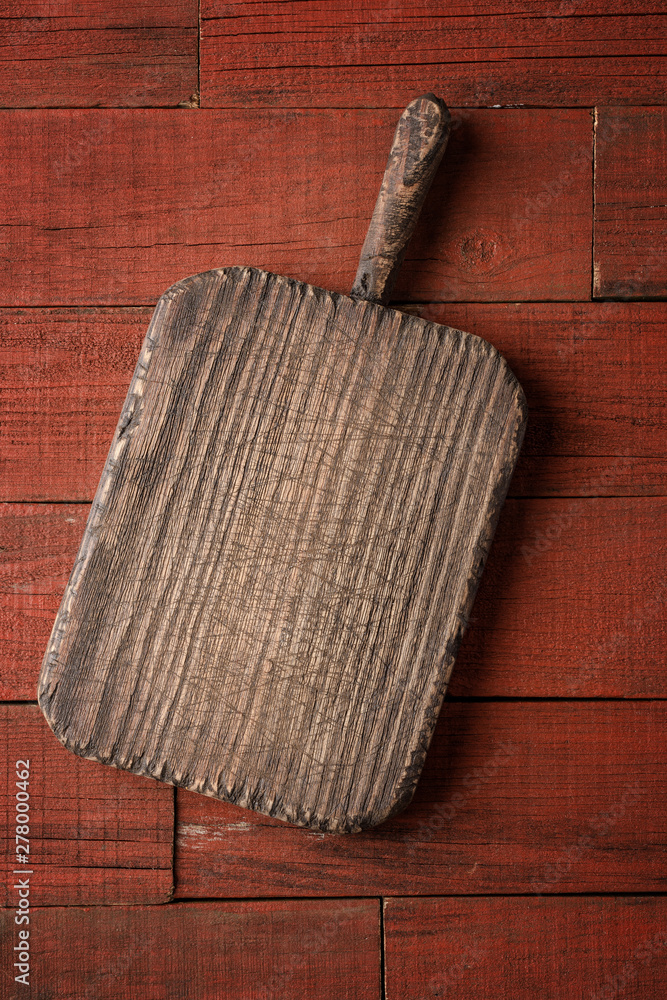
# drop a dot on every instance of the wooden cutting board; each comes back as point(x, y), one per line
point(288, 534)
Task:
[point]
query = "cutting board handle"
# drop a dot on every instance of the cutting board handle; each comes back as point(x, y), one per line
point(420, 140)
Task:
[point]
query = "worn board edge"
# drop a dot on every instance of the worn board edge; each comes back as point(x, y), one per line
point(270, 804)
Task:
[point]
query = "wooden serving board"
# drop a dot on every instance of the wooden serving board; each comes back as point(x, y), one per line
point(284, 548)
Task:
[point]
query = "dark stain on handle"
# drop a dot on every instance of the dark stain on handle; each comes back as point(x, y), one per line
point(419, 143)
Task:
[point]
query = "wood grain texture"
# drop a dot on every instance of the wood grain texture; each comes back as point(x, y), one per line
point(565, 475)
point(38, 544)
point(419, 143)
point(111, 207)
point(529, 637)
point(630, 257)
point(63, 378)
point(97, 54)
point(370, 54)
point(97, 836)
point(598, 948)
point(525, 637)
point(286, 540)
point(306, 950)
point(516, 797)
point(594, 375)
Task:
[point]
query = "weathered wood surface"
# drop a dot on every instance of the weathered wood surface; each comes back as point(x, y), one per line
point(96, 835)
point(63, 377)
point(370, 54)
point(630, 260)
point(598, 948)
point(594, 375)
point(305, 950)
point(525, 638)
point(416, 152)
point(516, 797)
point(112, 206)
point(98, 54)
point(38, 545)
point(283, 549)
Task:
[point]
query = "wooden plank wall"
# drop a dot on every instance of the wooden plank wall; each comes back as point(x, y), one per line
point(143, 143)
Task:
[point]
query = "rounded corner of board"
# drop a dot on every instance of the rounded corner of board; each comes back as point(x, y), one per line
point(194, 283)
point(516, 392)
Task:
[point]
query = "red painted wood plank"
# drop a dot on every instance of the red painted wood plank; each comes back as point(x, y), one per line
point(532, 797)
point(571, 603)
point(96, 835)
point(305, 950)
point(63, 377)
point(631, 203)
point(98, 54)
point(38, 544)
point(370, 54)
point(598, 948)
point(594, 374)
point(111, 207)
point(568, 475)
point(527, 637)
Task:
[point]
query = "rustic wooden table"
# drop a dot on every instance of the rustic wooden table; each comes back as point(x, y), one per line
point(531, 863)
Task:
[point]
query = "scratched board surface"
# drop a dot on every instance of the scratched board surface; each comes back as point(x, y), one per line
point(144, 144)
point(286, 540)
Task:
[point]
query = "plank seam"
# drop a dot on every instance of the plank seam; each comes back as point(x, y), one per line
point(383, 952)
